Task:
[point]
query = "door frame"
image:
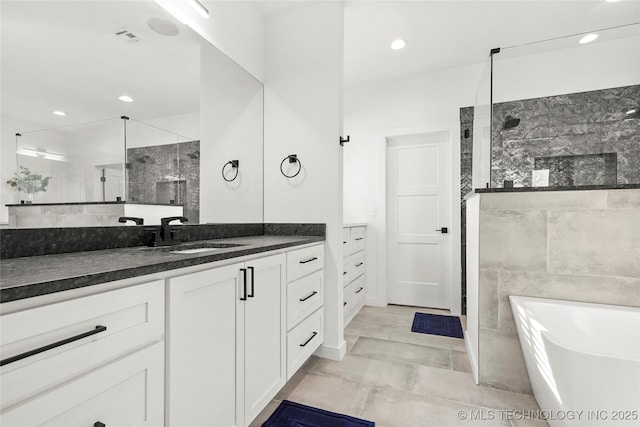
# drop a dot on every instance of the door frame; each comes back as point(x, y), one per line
point(453, 130)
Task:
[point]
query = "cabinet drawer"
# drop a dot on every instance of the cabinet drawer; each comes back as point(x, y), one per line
point(304, 261)
point(358, 291)
point(357, 266)
point(303, 340)
point(346, 237)
point(133, 317)
point(347, 297)
point(346, 272)
point(357, 239)
point(304, 296)
point(127, 392)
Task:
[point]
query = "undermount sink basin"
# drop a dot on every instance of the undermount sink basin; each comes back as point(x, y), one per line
point(193, 248)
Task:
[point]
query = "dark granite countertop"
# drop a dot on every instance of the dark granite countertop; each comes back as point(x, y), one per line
point(39, 275)
point(538, 189)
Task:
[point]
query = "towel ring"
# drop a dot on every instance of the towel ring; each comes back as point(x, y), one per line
point(235, 164)
point(293, 158)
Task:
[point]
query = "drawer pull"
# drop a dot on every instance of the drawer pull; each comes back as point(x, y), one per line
point(359, 290)
point(344, 242)
point(308, 260)
point(344, 303)
point(359, 264)
point(308, 296)
point(359, 238)
point(313, 335)
point(244, 284)
point(344, 273)
point(99, 424)
point(42, 349)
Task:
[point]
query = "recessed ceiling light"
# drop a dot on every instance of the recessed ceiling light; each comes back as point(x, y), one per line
point(125, 98)
point(588, 38)
point(59, 113)
point(398, 44)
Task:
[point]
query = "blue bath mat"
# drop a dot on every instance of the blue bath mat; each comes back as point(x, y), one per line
point(291, 414)
point(436, 324)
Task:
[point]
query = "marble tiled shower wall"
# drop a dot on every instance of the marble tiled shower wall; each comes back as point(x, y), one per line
point(585, 124)
point(466, 153)
point(165, 173)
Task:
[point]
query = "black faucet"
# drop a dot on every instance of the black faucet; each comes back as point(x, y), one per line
point(166, 236)
point(124, 219)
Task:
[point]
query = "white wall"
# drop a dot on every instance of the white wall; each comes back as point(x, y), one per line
point(303, 116)
point(570, 70)
point(373, 112)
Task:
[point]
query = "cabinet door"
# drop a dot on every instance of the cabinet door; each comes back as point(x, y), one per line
point(125, 392)
point(264, 333)
point(201, 341)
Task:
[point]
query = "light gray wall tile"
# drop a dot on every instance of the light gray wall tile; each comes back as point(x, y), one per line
point(62, 209)
point(623, 199)
point(501, 364)
point(595, 242)
point(488, 299)
point(110, 209)
point(513, 240)
point(544, 200)
point(595, 289)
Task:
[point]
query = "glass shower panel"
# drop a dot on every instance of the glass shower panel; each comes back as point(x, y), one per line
point(79, 163)
point(163, 168)
point(481, 154)
point(567, 113)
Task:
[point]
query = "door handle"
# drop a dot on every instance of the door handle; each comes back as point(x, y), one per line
point(253, 284)
point(443, 230)
point(243, 297)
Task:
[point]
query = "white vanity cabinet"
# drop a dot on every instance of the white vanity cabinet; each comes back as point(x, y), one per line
point(354, 283)
point(226, 342)
point(88, 361)
point(206, 345)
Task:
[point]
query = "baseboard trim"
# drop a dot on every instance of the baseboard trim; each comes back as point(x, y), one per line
point(333, 353)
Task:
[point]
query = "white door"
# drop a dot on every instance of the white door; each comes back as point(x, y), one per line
point(418, 207)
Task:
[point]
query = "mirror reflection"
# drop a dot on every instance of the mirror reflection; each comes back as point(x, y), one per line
point(106, 98)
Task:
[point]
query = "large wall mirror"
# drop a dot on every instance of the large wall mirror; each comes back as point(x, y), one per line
point(113, 109)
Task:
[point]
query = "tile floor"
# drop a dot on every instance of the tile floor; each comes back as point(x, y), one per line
point(399, 378)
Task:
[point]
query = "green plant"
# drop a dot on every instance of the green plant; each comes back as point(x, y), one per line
point(28, 181)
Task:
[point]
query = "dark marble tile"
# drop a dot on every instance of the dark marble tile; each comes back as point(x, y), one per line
point(295, 229)
point(586, 123)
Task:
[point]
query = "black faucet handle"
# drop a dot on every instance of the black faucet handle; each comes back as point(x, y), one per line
point(167, 220)
point(136, 220)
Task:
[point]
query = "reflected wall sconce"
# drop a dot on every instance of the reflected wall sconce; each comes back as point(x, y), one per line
point(235, 164)
point(293, 158)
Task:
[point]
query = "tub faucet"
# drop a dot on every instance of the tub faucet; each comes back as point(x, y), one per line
point(166, 236)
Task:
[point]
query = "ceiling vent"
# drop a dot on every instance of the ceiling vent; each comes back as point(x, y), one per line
point(127, 35)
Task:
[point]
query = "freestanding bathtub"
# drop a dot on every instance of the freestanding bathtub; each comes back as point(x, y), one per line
point(583, 360)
